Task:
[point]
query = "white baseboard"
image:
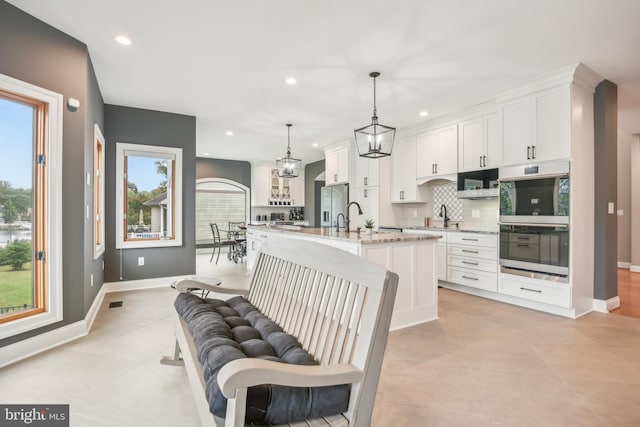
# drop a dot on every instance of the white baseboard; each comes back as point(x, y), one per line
point(634, 268)
point(605, 306)
point(135, 285)
point(95, 307)
point(622, 264)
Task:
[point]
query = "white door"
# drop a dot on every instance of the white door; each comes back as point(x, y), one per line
point(471, 144)
point(553, 124)
point(426, 155)
point(494, 147)
point(516, 131)
point(447, 151)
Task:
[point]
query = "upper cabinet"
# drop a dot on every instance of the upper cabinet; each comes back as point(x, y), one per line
point(538, 126)
point(337, 166)
point(480, 143)
point(268, 189)
point(437, 152)
point(403, 172)
point(367, 172)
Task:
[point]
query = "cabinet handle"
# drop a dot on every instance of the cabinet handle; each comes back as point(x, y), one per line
point(433, 168)
point(335, 177)
point(523, 238)
point(484, 161)
point(253, 246)
point(365, 192)
point(365, 180)
point(528, 152)
point(523, 245)
point(436, 168)
point(531, 290)
point(480, 161)
point(402, 195)
point(470, 278)
point(533, 151)
point(470, 263)
point(467, 238)
point(469, 252)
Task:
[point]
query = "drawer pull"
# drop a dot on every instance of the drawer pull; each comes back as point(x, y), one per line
point(531, 290)
point(468, 251)
point(471, 240)
point(523, 245)
point(470, 278)
point(523, 238)
point(470, 263)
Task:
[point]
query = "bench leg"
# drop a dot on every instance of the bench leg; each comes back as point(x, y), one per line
point(176, 360)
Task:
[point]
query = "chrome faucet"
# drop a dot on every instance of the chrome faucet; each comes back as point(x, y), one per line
point(359, 212)
point(446, 218)
point(338, 221)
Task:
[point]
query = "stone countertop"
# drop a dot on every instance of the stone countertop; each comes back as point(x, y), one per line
point(352, 237)
point(462, 229)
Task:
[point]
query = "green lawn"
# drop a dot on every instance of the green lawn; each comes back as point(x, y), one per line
point(15, 286)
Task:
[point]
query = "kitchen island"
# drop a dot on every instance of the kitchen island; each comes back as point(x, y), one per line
point(411, 256)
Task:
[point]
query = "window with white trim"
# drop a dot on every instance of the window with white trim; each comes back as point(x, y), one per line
point(98, 192)
point(149, 196)
point(30, 205)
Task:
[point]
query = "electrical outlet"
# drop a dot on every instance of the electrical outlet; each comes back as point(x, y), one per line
point(91, 280)
point(475, 213)
point(415, 213)
point(102, 265)
point(620, 212)
point(140, 260)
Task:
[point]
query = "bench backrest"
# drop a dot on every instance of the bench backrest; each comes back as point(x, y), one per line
point(337, 304)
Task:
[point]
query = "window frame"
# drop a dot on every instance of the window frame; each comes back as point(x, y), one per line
point(98, 192)
point(47, 208)
point(175, 181)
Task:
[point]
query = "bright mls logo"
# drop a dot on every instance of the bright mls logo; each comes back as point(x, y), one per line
point(34, 415)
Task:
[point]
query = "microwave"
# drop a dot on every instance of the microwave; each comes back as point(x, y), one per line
point(480, 184)
point(535, 194)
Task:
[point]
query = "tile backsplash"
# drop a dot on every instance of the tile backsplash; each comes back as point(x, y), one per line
point(445, 194)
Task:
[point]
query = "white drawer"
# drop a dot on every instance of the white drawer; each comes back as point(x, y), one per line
point(473, 239)
point(535, 290)
point(490, 266)
point(473, 251)
point(473, 278)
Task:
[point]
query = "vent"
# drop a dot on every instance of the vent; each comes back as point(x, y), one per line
point(115, 304)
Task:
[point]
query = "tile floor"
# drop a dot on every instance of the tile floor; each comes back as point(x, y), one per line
point(482, 363)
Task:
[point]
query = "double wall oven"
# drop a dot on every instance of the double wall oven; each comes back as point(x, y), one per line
point(534, 220)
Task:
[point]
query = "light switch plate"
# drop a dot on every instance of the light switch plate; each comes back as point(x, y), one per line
point(475, 213)
point(610, 208)
point(620, 212)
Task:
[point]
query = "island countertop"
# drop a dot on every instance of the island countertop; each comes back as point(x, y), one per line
point(353, 237)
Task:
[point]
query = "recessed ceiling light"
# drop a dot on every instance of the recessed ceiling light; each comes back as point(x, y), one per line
point(291, 81)
point(229, 133)
point(123, 40)
point(424, 113)
point(314, 144)
point(206, 154)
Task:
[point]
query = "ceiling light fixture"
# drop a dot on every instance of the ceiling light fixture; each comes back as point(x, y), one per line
point(424, 113)
point(291, 81)
point(206, 154)
point(123, 40)
point(288, 167)
point(229, 133)
point(375, 140)
point(315, 144)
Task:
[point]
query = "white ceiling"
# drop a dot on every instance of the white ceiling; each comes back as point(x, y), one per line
point(225, 62)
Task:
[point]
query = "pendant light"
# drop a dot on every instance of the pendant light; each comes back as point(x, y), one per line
point(375, 140)
point(288, 167)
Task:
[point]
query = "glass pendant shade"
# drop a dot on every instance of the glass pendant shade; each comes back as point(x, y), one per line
point(288, 167)
point(375, 140)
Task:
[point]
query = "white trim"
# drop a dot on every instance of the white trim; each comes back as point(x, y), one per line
point(622, 264)
point(161, 152)
point(634, 268)
point(95, 307)
point(98, 139)
point(247, 193)
point(605, 306)
point(53, 249)
point(135, 285)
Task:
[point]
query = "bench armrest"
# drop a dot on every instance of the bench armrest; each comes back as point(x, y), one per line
point(186, 285)
point(243, 373)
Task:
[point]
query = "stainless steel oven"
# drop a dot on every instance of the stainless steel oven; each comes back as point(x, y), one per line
point(535, 249)
point(535, 193)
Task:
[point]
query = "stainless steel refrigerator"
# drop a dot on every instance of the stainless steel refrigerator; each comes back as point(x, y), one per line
point(333, 201)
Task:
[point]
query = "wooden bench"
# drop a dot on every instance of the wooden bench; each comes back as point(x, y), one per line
point(336, 304)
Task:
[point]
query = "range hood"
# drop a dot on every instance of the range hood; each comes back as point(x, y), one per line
point(480, 184)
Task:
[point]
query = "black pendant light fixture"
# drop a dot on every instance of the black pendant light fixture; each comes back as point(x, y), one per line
point(288, 167)
point(375, 140)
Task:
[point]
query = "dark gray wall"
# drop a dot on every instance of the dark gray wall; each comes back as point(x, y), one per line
point(138, 126)
point(606, 190)
point(37, 53)
point(238, 171)
point(311, 171)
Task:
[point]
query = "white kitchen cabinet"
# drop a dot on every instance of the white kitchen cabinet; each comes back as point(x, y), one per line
point(268, 189)
point(538, 126)
point(369, 199)
point(404, 188)
point(254, 240)
point(437, 152)
point(480, 143)
point(472, 260)
point(260, 185)
point(441, 250)
point(367, 173)
point(546, 292)
point(297, 190)
point(337, 166)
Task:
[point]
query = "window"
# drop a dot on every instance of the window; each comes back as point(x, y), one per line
point(30, 208)
point(149, 196)
point(221, 201)
point(98, 192)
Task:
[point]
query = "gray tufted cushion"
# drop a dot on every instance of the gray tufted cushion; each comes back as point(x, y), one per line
point(228, 330)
